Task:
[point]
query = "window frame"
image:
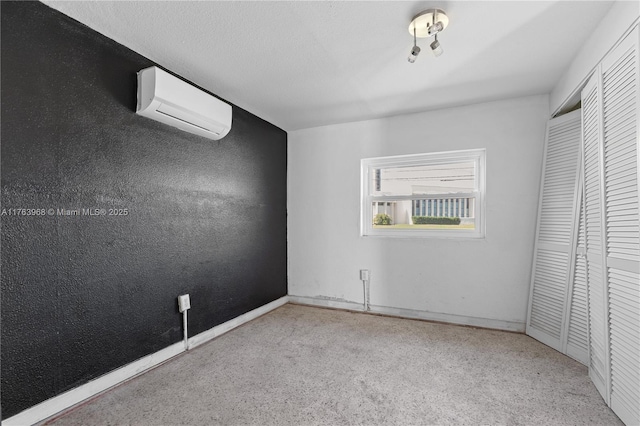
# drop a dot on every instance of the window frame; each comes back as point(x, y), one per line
point(368, 165)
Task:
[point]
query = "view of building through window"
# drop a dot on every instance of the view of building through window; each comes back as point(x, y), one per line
point(433, 181)
point(425, 179)
point(430, 192)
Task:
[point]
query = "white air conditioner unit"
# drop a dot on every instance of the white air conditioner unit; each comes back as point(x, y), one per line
point(169, 100)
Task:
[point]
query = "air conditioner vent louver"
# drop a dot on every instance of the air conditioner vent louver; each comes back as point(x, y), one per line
point(167, 99)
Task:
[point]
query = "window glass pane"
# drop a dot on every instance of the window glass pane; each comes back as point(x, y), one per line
point(424, 194)
point(426, 179)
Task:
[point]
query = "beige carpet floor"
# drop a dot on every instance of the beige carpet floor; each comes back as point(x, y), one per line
point(301, 365)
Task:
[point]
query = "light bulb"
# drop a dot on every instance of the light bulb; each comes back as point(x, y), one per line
point(415, 51)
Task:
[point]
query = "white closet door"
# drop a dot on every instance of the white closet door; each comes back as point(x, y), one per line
point(578, 324)
point(593, 206)
point(610, 104)
point(550, 297)
point(622, 219)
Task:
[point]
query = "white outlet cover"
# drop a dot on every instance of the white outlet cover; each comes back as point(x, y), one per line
point(184, 303)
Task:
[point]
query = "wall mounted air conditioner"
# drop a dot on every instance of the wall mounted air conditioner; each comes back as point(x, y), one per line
point(169, 100)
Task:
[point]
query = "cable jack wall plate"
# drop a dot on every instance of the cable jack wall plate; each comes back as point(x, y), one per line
point(184, 303)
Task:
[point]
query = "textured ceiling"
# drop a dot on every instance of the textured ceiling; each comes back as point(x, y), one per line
point(311, 63)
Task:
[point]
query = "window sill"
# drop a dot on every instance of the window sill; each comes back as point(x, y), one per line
point(412, 234)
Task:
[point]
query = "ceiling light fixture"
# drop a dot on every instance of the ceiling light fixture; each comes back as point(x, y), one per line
point(428, 23)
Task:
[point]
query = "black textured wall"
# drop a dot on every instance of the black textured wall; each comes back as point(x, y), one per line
point(83, 295)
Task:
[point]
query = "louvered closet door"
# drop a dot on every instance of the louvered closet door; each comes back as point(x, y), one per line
point(593, 205)
point(622, 221)
point(578, 325)
point(549, 300)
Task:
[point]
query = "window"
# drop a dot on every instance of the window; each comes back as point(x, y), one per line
point(424, 195)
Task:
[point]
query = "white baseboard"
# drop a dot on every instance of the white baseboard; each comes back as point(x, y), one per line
point(59, 403)
point(496, 324)
point(327, 303)
point(218, 330)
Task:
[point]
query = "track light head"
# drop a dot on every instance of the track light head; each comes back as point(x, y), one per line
point(436, 48)
point(435, 28)
point(415, 51)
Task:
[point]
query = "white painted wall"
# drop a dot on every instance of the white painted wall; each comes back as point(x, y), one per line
point(486, 278)
point(614, 25)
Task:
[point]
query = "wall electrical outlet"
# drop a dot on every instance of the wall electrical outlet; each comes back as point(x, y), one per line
point(364, 275)
point(184, 303)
